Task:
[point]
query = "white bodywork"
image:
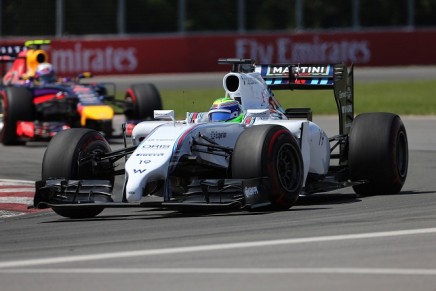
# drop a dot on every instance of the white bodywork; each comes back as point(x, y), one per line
point(162, 143)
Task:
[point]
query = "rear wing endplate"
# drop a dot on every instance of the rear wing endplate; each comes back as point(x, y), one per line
point(10, 52)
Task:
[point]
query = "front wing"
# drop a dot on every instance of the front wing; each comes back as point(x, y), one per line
point(210, 194)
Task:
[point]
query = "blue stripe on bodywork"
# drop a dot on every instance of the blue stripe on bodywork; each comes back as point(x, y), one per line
point(264, 70)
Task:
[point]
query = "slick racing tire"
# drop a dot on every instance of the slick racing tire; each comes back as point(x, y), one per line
point(270, 151)
point(61, 160)
point(16, 103)
point(378, 153)
point(142, 100)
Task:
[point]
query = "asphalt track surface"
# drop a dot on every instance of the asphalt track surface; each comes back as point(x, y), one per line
point(332, 241)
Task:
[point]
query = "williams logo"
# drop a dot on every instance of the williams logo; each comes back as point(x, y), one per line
point(156, 146)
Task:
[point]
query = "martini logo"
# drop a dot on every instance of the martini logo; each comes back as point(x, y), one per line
point(311, 71)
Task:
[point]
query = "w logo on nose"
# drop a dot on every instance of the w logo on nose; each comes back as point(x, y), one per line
point(139, 171)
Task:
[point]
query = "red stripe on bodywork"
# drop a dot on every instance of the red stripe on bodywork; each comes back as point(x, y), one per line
point(48, 97)
point(182, 137)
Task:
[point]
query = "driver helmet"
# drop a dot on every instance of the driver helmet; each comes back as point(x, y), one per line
point(225, 109)
point(45, 73)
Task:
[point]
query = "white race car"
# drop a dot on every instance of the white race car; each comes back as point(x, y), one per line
point(268, 158)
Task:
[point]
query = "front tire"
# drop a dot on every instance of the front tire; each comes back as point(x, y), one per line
point(378, 153)
point(61, 160)
point(270, 151)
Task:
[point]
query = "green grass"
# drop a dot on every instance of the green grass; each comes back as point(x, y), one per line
point(403, 98)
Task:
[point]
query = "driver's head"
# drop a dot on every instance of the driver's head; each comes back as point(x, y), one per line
point(45, 73)
point(225, 109)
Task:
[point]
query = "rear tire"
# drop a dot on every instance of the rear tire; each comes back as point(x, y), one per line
point(143, 99)
point(378, 153)
point(270, 151)
point(61, 161)
point(16, 103)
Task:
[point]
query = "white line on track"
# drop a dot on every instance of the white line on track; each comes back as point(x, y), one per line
point(17, 190)
point(16, 182)
point(6, 213)
point(16, 200)
point(231, 271)
point(214, 247)
point(18, 195)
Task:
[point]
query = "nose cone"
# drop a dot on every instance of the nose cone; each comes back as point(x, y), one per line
point(96, 112)
point(135, 186)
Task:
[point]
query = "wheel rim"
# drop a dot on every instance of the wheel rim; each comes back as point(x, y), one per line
point(288, 169)
point(402, 154)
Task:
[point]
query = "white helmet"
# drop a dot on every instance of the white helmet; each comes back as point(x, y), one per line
point(45, 73)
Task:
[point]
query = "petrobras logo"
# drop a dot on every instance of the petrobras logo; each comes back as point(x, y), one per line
point(150, 155)
point(105, 59)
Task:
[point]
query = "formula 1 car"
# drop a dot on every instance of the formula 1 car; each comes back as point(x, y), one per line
point(268, 159)
point(31, 110)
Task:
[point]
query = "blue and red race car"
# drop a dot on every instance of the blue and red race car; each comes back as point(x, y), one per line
point(33, 109)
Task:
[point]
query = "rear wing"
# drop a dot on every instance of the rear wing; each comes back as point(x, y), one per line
point(10, 52)
point(16, 60)
point(335, 77)
point(297, 76)
point(36, 44)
